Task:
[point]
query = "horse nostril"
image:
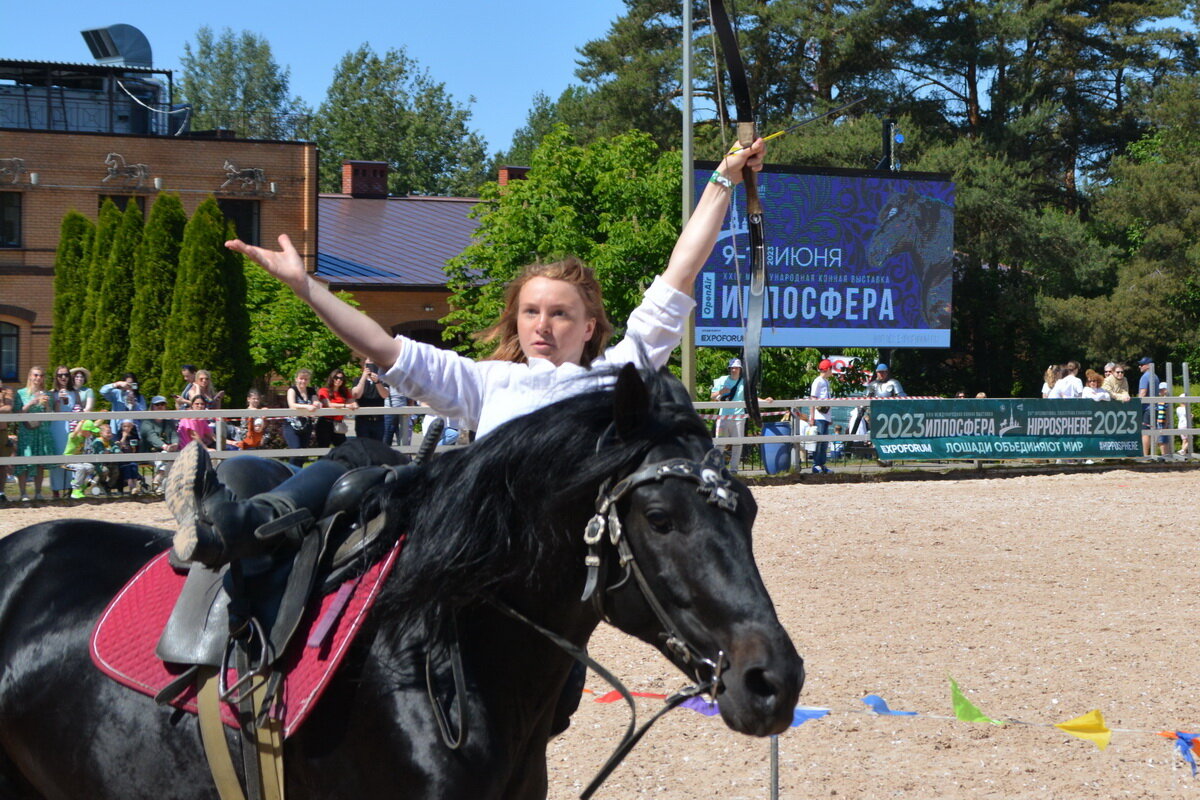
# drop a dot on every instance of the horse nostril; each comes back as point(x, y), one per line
point(758, 682)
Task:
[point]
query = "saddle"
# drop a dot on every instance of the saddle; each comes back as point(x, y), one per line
point(252, 645)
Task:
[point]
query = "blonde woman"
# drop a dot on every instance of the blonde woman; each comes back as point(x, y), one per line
point(33, 438)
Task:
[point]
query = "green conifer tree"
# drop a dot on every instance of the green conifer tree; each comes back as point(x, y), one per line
point(70, 288)
point(204, 327)
point(102, 242)
point(111, 334)
point(155, 265)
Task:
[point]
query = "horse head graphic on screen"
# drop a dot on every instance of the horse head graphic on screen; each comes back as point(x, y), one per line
point(920, 228)
point(507, 553)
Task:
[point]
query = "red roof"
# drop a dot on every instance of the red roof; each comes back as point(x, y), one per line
point(397, 241)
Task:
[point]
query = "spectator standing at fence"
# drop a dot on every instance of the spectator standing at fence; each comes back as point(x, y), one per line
point(33, 438)
point(7, 443)
point(159, 436)
point(331, 431)
point(298, 431)
point(1053, 375)
point(821, 390)
point(1067, 386)
point(1116, 385)
point(397, 428)
point(65, 400)
point(1094, 389)
point(1183, 420)
point(203, 387)
point(188, 372)
point(80, 378)
point(731, 421)
point(1147, 387)
point(123, 395)
point(884, 385)
point(369, 392)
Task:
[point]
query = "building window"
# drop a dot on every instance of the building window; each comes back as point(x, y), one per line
point(122, 200)
point(10, 219)
point(244, 216)
point(10, 349)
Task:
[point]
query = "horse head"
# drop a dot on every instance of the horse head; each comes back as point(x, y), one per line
point(680, 571)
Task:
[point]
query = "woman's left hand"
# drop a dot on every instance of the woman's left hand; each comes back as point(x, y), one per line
point(733, 163)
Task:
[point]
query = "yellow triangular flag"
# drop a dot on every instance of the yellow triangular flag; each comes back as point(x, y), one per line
point(1090, 726)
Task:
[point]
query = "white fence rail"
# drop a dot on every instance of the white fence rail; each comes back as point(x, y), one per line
point(795, 408)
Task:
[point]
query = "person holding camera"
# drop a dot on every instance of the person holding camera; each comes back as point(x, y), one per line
point(370, 392)
point(123, 395)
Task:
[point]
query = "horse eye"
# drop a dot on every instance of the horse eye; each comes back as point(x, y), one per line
point(659, 519)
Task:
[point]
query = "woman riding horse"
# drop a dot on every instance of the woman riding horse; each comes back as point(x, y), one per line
point(552, 332)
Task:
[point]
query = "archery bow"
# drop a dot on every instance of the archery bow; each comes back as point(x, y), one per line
point(747, 133)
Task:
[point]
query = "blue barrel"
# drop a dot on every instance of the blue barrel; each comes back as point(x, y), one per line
point(777, 457)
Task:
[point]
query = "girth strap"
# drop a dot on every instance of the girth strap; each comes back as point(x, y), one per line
point(212, 735)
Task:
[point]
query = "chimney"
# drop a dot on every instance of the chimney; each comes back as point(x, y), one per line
point(365, 178)
point(509, 174)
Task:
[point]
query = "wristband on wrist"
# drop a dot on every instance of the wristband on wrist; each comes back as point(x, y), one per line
point(721, 180)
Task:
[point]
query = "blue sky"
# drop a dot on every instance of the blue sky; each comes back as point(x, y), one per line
point(500, 53)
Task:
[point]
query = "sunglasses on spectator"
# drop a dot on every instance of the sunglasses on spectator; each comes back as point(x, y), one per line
point(62, 374)
point(339, 377)
point(1120, 372)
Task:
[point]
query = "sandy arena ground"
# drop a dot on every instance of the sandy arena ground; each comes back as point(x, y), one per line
point(1043, 596)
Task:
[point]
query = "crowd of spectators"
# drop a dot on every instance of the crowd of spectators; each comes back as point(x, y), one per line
point(68, 390)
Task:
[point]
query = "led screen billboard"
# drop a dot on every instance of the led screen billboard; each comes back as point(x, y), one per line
point(854, 259)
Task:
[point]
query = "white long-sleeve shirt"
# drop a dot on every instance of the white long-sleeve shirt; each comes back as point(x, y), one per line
point(486, 394)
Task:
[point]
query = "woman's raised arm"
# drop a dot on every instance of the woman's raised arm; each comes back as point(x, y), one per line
point(353, 327)
point(700, 234)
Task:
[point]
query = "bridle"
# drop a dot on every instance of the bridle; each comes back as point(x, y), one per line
point(712, 481)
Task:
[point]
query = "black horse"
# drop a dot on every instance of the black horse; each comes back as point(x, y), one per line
point(496, 525)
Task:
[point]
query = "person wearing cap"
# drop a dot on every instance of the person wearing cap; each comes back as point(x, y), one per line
point(1147, 387)
point(884, 385)
point(731, 421)
point(821, 390)
point(77, 443)
point(159, 436)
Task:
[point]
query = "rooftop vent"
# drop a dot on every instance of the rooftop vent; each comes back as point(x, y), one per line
point(120, 45)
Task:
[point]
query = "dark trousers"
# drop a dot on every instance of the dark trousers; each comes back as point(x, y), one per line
point(369, 428)
point(296, 440)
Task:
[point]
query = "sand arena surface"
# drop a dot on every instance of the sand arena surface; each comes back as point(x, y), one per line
point(1043, 596)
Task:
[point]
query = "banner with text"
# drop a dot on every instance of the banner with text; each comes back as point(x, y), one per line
point(1017, 428)
point(854, 259)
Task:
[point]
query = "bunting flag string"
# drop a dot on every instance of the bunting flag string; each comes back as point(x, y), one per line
point(1090, 726)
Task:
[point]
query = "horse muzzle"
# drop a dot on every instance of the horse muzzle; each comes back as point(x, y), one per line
point(761, 684)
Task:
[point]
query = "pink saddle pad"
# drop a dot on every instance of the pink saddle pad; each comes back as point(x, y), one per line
point(125, 637)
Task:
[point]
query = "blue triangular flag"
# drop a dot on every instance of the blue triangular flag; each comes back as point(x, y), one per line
point(880, 706)
point(803, 714)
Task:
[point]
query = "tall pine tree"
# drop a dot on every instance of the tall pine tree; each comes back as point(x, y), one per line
point(110, 338)
point(154, 267)
point(70, 287)
point(208, 325)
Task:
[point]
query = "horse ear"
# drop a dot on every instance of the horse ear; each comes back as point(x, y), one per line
point(631, 403)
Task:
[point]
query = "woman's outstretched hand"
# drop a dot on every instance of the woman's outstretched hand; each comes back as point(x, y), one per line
point(284, 263)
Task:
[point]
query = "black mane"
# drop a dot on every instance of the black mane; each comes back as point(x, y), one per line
point(502, 511)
